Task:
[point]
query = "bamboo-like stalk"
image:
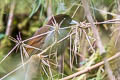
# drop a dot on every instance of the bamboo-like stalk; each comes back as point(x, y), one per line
point(94, 29)
point(98, 39)
point(10, 19)
point(49, 9)
point(90, 68)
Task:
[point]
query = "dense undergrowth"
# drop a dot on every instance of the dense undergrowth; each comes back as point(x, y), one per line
point(19, 19)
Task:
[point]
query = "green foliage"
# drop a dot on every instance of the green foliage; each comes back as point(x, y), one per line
point(36, 6)
point(1, 36)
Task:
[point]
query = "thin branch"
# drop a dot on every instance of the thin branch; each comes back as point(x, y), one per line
point(36, 36)
point(90, 68)
point(49, 9)
point(89, 41)
point(9, 53)
point(102, 11)
point(94, 29)
point(11, 14)
point(14, 70)
point(76, 10)
point(98, 40)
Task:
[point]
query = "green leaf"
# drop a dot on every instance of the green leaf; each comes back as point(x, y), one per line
point(36, 6)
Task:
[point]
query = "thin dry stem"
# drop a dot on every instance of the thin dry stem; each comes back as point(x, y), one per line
point(89, 41)
point(45, 71)
point(50, 70)
point(90, 68)
point(11, 14)
point(25, 52)
point(9, 52)
point(49, 9)
point(14, 70)
point(21, 54)
point(76, 11)
point(94, 29)
point(71, 52)
point(36, 36)
point(110, 13)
